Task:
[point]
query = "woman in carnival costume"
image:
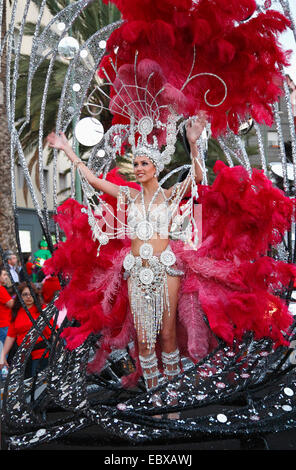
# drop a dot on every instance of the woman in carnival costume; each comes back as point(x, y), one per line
point(154, 278)
point(149, 281)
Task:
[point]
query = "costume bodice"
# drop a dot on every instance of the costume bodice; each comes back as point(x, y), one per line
point(159, 215)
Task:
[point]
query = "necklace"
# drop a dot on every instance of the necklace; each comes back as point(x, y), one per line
point(144, 230)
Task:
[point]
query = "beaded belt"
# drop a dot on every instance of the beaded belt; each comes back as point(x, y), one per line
point(148, 288)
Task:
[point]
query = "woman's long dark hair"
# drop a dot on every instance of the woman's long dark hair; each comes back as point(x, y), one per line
point(17, 304)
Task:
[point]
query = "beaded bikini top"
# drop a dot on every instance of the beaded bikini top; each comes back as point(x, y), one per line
point(143, 222)
point(158, 215)
point(167, 218)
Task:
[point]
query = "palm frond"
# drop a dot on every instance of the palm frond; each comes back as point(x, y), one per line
point(95, 16)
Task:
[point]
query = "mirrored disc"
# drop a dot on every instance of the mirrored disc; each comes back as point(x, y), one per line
point(68, 47)
point(277, 168)
point(221, 418)
point(89, 131)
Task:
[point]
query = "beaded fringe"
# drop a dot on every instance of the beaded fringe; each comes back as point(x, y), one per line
point(148, 305)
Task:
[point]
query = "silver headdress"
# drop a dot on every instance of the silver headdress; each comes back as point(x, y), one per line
point(143, 147)
point(151, 115)
point(148, 115)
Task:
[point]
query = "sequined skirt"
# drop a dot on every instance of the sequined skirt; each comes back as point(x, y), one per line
point(148, 289)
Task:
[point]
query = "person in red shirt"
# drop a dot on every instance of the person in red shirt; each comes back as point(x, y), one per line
point(6, 304)
point(27, 268)
point(20, 325)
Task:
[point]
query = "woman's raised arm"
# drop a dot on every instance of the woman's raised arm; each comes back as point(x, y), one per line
point(60, 142)
point(194, 129)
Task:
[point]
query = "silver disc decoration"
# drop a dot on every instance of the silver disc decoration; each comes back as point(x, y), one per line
point(145, 126)
point(144, 230)
point(103, 239)
point(168, 258)
point(146, 251)
point(68, 47)
point(146, 276)
point(128, 262)
point(89, 131)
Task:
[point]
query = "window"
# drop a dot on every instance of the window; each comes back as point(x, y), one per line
point(272, 139)
point(62, 181)
point(25, 239)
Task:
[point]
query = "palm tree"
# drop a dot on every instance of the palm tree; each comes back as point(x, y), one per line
point(93, 18)
point(7, 230)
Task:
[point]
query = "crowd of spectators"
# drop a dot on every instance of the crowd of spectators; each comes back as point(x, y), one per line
point(24, 292)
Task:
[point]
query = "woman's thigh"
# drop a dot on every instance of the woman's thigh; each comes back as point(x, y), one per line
point(169, 315)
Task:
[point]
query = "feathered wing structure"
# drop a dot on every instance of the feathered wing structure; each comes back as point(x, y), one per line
point(141, 90)
point(247, 214)
point(89, 291)
point(224, 58)
point(219, 56)
point(230, 279)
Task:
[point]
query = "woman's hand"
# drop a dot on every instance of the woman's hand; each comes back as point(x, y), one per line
point(58, 141)
point(195, 127)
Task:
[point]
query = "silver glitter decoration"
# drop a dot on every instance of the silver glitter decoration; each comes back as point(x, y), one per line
point(287, 10)
point(261, 147)
point(233, 145)
point(281, 144)
point(291, 128)
point(226, 151)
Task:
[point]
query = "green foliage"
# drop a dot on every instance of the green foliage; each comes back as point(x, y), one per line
point(94, 17)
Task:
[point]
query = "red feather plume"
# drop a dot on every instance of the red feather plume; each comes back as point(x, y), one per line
point(230, 41)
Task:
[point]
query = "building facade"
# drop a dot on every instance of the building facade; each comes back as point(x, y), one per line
point(29, 227)
point(270, 136)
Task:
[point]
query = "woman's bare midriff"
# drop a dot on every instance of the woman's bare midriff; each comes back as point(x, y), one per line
point(159, 244)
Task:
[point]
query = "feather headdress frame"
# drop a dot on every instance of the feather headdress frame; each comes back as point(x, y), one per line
point(150, 105)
